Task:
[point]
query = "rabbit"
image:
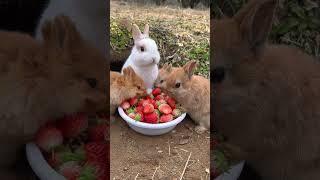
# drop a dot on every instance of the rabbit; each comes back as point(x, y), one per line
point(124, 86)
point(88, 16)
point(191, 91)
point(42, 81)
point(163, 73)
point(266, 96)
point(144, 57)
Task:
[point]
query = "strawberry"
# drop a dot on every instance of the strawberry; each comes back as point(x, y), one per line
point(151, 118)
point(132, 115)
point(72, 125)
point(148, 108)
point(159, 97)
point(98, 132)
point(59, 157)
point(96, 151)
point(166, 118)
point(151, 96)
point(70, 170)
point(176, 112)
point(95, 170)
point(138, 109)
point(156, 91)
point(133, 101)
point(139, 117)
point(171, 102)
point(130, 110)
point(159, 102)
point(48, 137)
point(165, 109)
point(125, 105)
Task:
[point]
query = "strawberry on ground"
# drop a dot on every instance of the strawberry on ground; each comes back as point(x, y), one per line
point(151, 118)
point(70, 170)
point(72, 125)
point(48, 137)
point(98, 132)
point(166, 118)
point(156, 91)
point(125, 105)
point(165, 109)
point(148, 108)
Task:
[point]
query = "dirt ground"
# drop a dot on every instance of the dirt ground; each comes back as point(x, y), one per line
point(136, 156)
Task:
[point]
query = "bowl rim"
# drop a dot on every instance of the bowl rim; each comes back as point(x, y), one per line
point(150, 126)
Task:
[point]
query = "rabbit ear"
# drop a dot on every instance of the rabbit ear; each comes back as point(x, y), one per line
point(61, 33)
point(189, 68)
point(167, 67)
point(128, 72)
point(146, 30)
point(136, 33)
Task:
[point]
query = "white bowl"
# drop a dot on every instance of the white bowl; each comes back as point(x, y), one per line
point(151, 129)
point(39, 165)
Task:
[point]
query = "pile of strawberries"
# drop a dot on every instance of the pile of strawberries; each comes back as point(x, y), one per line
point(76, 146)
point(155, 108)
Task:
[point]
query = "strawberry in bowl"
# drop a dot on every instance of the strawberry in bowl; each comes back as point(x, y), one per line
point(70, 148)
point(154, 114)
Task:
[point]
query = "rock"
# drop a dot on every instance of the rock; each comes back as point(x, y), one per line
point(183, 141)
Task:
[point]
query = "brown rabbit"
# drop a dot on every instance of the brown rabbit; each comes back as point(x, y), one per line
point(267, 97)
point(124, 86)
point(191, 91)
point(163, 73)
point(41, 82)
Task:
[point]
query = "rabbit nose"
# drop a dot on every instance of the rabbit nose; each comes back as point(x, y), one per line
point(218, 75)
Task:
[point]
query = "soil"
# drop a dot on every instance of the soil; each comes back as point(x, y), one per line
point(136, 156)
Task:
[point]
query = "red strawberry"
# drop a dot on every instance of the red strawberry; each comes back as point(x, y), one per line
point(156, 91)
point(72, 125)
point(125, 105)
point(98, 132)
point(132, 115)
point(148, 108)
point(159, 97)
point(166, 118)
point(138, 109)
point(48, 137)
point(165, 109)
point(151, 118)
point(70, 170)
point(176, 112)
point(96, 151)
point(171, 102)
point(133, 101)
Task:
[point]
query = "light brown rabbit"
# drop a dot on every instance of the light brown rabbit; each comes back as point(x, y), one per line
point(41, 82)
point(124, 86)
point(163, 73)
point(268, 102)
point(191, 91)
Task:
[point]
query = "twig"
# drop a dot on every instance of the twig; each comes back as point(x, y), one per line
point(169, 148)
point(184, 150)
point(185, 167)
point(136, 176)
point(155, 172)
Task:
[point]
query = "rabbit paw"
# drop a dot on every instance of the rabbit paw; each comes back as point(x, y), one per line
point(200, 129)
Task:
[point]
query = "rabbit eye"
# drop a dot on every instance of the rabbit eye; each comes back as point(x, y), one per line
point(178, 85)
point(161, 81)
point(142, 49)
point(92, 82)
point(138, 87)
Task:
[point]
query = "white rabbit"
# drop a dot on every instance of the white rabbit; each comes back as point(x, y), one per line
point(144, 57)
point(88, 16)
